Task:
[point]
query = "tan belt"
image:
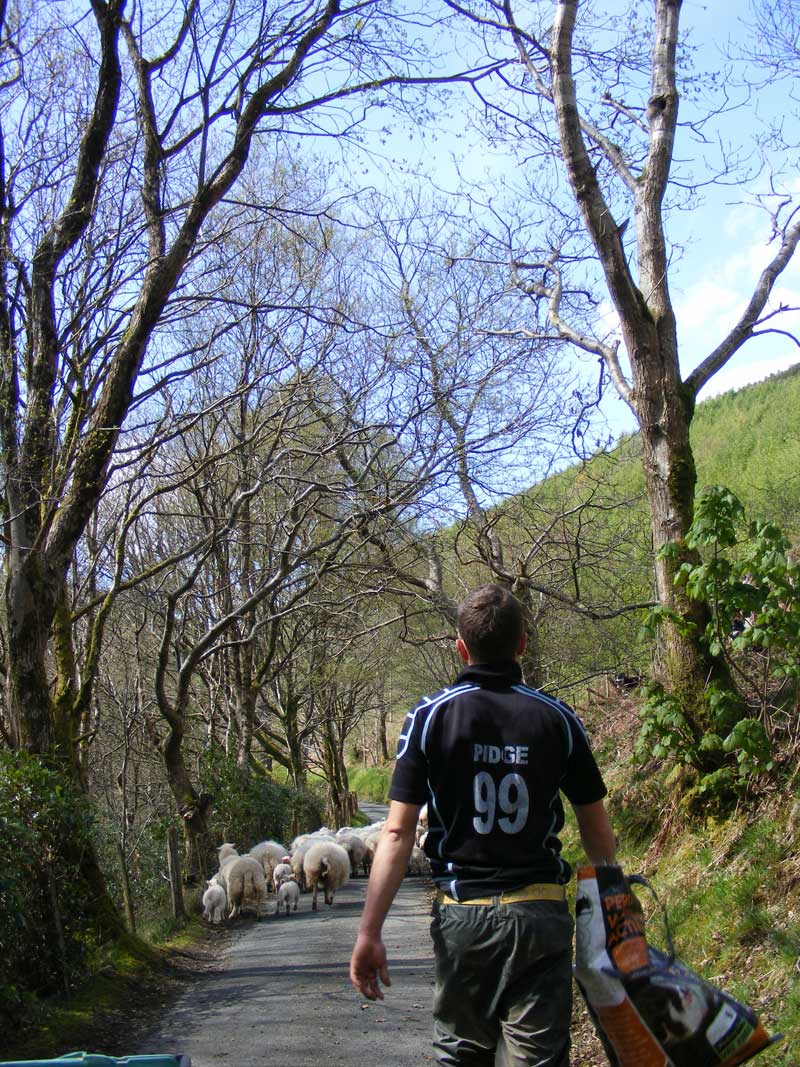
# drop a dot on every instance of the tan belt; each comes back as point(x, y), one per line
point(537, 891)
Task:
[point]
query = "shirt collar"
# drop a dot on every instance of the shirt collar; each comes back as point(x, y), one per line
point(500, 675)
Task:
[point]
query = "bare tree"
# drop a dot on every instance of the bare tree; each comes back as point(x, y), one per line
point(588, 94)
point(123, 131)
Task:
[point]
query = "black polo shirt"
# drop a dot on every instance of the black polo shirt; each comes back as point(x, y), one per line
point(490, 757)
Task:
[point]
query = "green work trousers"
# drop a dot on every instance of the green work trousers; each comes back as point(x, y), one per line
point(503, 984)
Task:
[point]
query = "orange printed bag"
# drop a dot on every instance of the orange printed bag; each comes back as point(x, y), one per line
point(650, 1010)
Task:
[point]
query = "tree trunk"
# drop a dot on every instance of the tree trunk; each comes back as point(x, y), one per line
point(193, 808)
point(336, 774)
point(127, 896)
point(663, 405)
point(30, 596)
point(383, 744)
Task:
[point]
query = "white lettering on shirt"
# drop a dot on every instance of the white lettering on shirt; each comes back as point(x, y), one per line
point(516, 755)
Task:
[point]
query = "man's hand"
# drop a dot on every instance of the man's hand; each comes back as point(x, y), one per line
point(368, 962)
point(367, 965)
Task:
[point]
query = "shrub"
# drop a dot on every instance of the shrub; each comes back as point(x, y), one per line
point(250, 806)
point(44, 931)
point(751, 584)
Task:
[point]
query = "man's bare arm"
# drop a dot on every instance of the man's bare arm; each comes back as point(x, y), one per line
point(368, 962)
point(597, 834)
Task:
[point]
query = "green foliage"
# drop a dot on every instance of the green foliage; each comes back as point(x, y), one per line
point(752, 587)
point(370, 783)
point(666, 731)
point(749, 440)
point(250, 806)
point(44, 931)
point(146, 862)
point(730, 889)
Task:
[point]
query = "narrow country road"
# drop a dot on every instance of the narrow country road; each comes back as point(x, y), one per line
point(281, 996)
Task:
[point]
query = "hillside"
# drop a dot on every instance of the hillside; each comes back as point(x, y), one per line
point(749, 440)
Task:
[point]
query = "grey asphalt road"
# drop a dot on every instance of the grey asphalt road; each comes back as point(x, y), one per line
point(282, 996)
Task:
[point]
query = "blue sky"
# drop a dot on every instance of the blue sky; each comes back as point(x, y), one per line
point(724, 241)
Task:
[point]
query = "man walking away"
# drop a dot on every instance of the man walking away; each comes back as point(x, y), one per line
point(490, 757)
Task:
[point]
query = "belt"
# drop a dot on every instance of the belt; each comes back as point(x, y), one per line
point(537, 891)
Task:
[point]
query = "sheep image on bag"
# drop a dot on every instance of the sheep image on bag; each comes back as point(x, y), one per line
point(326, 864)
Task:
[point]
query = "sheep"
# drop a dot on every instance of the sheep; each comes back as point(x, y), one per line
point(288, 894)
point(366, 831)
point(298, 857)
point(269, 854)
point(326, 864)
point(215, 901)
point(244, 881)
point(371, 844)
point(225, 852)
point(299, 853)
point(356, 850)
point(282, 873)
point(418, 863)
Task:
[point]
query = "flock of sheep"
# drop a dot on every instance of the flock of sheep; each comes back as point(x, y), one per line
point(324, 859)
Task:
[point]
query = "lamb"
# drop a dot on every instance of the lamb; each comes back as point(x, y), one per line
point(244, 881)
point(215, 901)
point(326, 864)
point(269, 854)
point(288, 894)
point(282, 873)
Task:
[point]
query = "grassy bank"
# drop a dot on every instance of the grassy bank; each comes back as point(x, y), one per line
point(123, 996)
point(370, 783)
point(729, 880)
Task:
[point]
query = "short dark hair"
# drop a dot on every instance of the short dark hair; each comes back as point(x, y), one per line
point(490, 623)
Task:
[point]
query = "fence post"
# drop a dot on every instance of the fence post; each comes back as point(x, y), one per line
point(174, 868)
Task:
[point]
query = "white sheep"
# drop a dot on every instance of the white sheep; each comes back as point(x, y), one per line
point(244, 881)
point(325, 864)
point(305, 841)
point(282, 873)
point(288, 894)
point(356, 850)
point(370, 844)
point(365, 831)
point(269, 854)
point(225, 852)
point(215, 901)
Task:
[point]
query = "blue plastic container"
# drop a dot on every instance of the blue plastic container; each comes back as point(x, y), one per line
point(95, 1059)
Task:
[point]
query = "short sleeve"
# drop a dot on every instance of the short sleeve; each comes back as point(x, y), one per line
point(410, 777)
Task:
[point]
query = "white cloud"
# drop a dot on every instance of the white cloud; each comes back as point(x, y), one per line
point(737, 377)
